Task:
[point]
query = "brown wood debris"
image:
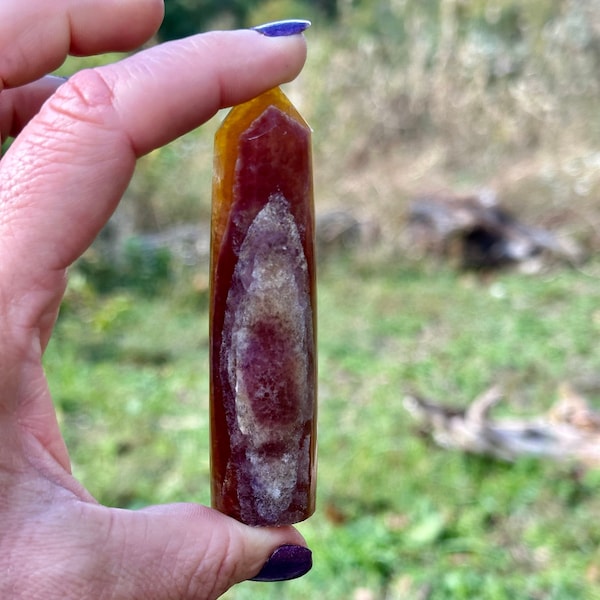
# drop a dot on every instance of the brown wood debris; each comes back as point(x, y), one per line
point(478, 233)
point(568, 432)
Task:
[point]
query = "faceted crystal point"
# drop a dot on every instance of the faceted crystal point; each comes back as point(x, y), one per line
point(263, 309)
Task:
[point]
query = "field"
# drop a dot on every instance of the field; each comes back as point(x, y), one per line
point(401, 102)
point(397, 517)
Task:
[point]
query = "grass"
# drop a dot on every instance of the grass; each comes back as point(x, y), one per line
point(397, 517)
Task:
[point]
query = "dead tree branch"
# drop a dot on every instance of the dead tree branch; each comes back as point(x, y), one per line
point(569, 431)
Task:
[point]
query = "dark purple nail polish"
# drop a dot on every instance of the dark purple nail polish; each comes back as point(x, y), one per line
point(281, 28)
point(287, 562)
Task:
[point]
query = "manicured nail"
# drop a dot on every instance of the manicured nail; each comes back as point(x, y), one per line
point(281, 28)
point(287, 562)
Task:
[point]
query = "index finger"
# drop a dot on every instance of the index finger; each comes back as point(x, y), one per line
point(37, 35)
point(64, 174)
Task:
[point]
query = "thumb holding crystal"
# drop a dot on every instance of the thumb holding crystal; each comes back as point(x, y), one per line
point(188, 551)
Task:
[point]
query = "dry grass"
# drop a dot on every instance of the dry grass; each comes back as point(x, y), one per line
point(407, 97)
point(454, 105)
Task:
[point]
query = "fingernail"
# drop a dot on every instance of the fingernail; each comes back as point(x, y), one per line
point(281, 28)
point(287, 562)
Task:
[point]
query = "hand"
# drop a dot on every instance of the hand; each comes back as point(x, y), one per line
point(75, 151)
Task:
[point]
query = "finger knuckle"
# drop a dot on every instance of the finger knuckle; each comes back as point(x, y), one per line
point(86, 96)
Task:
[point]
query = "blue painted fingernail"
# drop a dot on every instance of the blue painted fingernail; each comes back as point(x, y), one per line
point(281, 28)
point(287, 562)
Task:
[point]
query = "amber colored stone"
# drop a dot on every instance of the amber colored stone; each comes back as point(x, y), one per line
point(263, 315)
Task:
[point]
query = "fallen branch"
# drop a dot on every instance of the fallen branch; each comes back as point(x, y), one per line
point(569, 431)
point(483, 235)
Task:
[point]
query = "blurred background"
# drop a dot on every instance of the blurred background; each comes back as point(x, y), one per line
point(457, 188)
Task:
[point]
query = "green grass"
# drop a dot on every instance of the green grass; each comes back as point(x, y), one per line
point(397, 517)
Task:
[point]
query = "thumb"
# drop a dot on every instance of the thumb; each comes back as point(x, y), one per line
point(188, 551)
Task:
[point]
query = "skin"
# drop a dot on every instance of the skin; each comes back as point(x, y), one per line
point(75, 151)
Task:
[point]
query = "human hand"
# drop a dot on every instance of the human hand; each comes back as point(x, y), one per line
point(75, 151)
